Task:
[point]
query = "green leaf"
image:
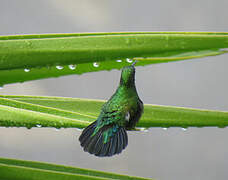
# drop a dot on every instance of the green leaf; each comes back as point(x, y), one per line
point(41, 53)
point(20, 170)
point(31, 111)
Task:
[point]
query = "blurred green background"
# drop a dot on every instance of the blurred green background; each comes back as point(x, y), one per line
point(173, 154)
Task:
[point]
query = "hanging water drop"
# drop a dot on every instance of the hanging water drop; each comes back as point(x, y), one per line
point(78, 129)
point(184, 129)
point(95, 64)
point(38, 125)
point(72, 66)
point(143, 129)
point(26, 70)
point(129, 60)
point(224, 49)
point(118, 60)
point(59, 67)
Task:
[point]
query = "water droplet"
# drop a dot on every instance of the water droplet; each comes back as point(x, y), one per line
point(72, 66)
point(26, 70)
point(129, 60)
point(165, 128)
point(78, 129)
point(95, 64)
point(118, 60)
point(224, 49)
point(184, 129)
point(59, 67)
point(38, 125)
point(143, 129)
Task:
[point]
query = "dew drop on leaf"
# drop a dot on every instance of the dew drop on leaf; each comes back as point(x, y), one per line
point(26, 70)
point(59, 67)
point(72, 66)
point(224, 49)
point(118, 60)
point(129, 60)
point(78, 129)
point(95, 64)
point(143, 129)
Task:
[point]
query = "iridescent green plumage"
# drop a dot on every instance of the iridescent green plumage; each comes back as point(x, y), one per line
point(107, 135)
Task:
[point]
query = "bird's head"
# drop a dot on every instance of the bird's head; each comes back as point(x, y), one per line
point(128, 75)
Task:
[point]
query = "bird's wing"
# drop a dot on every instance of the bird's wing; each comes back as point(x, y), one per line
point(135, 115)
point(113, 116)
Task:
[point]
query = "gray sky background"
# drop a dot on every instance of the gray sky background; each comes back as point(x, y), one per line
point(166, 155)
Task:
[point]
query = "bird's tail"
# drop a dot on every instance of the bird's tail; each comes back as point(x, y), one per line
point(107, 141)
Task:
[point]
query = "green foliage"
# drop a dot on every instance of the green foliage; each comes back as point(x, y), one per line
point(21, 170)
point(41, 53)
point(33, 111)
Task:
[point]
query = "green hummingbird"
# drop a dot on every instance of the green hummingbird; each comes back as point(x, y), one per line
point(107, 136)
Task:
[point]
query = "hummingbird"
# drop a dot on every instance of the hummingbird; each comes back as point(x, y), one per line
point(107, 136)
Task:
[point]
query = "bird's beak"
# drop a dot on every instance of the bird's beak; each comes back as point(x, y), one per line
point(133, 64)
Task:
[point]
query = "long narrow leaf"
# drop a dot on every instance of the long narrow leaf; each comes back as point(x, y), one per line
point(40, 54)
point(19, 169)
point(30, 111)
